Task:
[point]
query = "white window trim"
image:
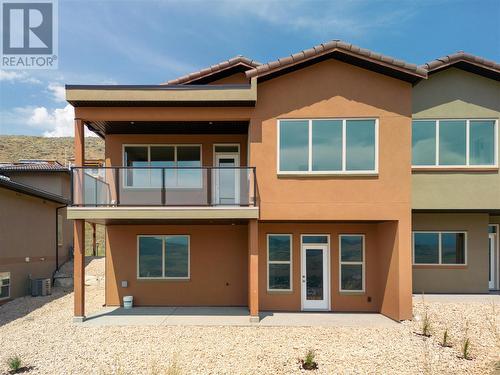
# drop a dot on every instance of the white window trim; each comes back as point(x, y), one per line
point(467, 164)
point(219, 152)
point(439, 232)
point(2, 277)
point(268, 262)
point(362, 263)
point(149, 145)
point(164, 237)
point(344, 148)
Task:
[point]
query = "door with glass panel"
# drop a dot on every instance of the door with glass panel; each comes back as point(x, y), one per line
point(315, 280)
point(227, 178)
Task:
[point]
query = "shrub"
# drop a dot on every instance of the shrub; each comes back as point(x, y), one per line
point(426, 325)
point(466, 349)
point(308, 363)
point(14, 363)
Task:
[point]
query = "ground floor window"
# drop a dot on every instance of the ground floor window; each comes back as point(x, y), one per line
point(439, 247)
point(4, 285)
point(163, 257)
point(352, 262)
point(279, 262)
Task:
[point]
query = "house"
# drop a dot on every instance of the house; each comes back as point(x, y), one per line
point(277, 186)
point(35, 235)
point(455, 176)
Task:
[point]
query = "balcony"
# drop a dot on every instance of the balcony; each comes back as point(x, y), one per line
point(163, 193)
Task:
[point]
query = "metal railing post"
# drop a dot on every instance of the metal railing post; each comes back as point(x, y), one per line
point(254, 187)
point(117, 186)
point(209, 186)
point(163, 189)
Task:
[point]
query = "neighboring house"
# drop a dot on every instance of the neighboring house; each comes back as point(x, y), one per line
point(456, 180)
point(35, 235)
point(279, 186)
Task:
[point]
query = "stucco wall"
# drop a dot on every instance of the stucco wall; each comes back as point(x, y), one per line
point(52, 182)
point(449, 94)
point(333, 89)
point(472, 278)
point(218, 261)
point(28, 229)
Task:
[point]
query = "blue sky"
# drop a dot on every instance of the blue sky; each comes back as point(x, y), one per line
point(149, 42)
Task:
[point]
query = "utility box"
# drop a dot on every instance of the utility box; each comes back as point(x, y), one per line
point(41, 287)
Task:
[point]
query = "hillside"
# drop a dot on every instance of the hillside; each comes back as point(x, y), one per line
point(15, 147)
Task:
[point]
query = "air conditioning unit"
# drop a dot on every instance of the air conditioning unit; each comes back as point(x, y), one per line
point(41, 287)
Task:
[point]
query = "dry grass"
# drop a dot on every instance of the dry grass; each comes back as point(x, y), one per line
point(15, 147)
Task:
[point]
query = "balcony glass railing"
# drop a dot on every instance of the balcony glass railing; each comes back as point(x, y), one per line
point(163, 186)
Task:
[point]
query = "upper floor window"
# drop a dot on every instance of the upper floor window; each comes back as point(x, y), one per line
point(182, 163)
point(327, 146)
point(462, 143)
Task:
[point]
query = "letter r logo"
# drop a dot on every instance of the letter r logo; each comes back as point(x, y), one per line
point(27, 28)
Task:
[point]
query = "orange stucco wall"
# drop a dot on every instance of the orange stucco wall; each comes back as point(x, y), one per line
point(218, 267)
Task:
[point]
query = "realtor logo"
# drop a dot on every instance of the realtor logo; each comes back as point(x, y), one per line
point(29, 35)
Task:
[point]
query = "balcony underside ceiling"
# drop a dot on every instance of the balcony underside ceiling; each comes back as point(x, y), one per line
point(103, 128)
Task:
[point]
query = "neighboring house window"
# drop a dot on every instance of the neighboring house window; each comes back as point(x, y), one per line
point(4, 285)
point(439, 247)
point(59, 230)
point(279, 262)
point(352, 263)
point(462, 143)
point(183, 164)
point(163, 257)
point(327, 146)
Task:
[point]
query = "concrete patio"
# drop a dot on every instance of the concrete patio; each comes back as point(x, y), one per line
point(230, 316)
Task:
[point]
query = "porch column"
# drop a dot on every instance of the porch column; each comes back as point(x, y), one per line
point(253, 270)
point(79, 235)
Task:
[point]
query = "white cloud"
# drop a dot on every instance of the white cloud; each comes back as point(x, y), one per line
point(57, 91)
point(17, 76)
point(56, 122)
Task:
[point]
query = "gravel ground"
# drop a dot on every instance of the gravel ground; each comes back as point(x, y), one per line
point(41, 332)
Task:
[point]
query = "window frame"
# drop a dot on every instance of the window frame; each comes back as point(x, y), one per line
point(467, 164)
point(362, 263)
point(290, 262)
point(149, 145)
point(343, 171)
point(163, 254)
point(9, 276)
point(440, 264)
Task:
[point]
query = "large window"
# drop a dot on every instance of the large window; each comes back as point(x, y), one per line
point(327, 146)
point(451, 143)
point(439, 248)
point(279, 262)
point(4, 285)
point(182, 163)
point(352, 262)
point(163, 257)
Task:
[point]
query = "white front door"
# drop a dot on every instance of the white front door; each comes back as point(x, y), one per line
point(315, 277)
point(492, 260)
point(227, 178)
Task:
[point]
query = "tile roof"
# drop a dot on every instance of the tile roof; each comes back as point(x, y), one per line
point(38, 166)
point(217, 68)
point(6, 183)
point(337, 46)
point(461, 57)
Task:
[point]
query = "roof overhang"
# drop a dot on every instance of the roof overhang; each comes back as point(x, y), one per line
point(31, 191)
point(161, 95)
point(470, 67)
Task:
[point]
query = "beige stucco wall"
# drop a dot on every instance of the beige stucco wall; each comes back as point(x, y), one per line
point(52, 182)
point(472, 278)
point(28, 229)
point(454, 93)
